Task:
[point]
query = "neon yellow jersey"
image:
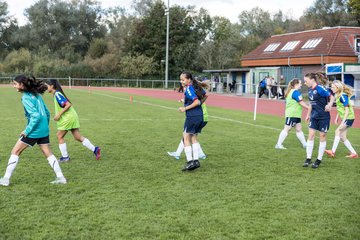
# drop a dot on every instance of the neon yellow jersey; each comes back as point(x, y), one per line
point(205, 112)
point(341, 103)
point(293, 108)
point(69, 119)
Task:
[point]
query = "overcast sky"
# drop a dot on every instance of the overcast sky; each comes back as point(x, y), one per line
point(226, 8)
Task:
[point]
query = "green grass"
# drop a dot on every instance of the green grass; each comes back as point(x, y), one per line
point(245, 189)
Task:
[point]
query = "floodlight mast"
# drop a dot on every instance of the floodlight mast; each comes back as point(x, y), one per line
point(167, 13)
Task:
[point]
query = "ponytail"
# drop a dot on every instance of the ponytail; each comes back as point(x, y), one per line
point(57, 86)
point(31, 84)
point(291, 85)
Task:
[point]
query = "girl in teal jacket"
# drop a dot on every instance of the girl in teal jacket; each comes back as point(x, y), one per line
point(36, 130)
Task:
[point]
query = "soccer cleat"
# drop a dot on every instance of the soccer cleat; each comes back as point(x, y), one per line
point(173, 154)
point(191, 165)
point(64, 159)
point(4, 182)
point(197, 164)
point(279, 147)
point(316, 163)
point(352, 155)
point(202, 157)
point(59, 180)
point(307, 162)
point(330, 153)
point(97, 153)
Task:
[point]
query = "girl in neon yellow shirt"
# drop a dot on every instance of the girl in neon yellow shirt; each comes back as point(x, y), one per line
point(67, 120)
point(293, 111)
point(346, 112)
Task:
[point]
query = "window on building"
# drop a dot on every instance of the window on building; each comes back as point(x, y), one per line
point(289, 46)
point(311, 43)
point(272, 47)
point(357, 45)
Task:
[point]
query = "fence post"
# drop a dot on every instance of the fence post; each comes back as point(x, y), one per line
point(69, 82)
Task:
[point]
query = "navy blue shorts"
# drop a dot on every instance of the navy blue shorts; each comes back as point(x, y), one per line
point(321, 125)
point(292, 121)
point(202, 126)
point(349, 122)
point(32, 141)
point(193, 125)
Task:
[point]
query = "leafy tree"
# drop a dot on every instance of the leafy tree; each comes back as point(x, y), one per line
point(57, 23)
point(7, 26)
point(354, 6)
point(18, 61)
point(328, 13)
point(98, 48)
point(137, 66)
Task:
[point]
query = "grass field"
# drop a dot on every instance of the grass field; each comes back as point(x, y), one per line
point(245, 189)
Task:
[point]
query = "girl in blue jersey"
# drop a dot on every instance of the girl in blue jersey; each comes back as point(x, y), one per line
point(194, 95)
point(346, 112)
point(37, 128)
point(181, 146)
point(293, 112)
point(318, 115)
point(67, 120)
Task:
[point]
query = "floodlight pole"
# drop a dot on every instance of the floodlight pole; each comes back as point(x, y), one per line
point(167, 12)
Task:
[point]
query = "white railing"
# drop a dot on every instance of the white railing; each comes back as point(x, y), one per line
point(239, 89)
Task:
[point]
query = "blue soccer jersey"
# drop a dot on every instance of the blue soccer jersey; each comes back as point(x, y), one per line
point(190, 97)
point(318, 97)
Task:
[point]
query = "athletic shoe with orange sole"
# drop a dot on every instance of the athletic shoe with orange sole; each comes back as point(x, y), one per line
point(352, 155)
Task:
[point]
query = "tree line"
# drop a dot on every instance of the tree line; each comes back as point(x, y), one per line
point(79, 38)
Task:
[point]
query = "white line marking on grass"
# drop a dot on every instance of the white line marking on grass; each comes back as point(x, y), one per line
point(212, 116)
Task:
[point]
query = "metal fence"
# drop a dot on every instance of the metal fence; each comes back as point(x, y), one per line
point(238, 89)
point(131, 83)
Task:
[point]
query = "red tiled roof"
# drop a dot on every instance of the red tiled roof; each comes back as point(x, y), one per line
point(336, 41)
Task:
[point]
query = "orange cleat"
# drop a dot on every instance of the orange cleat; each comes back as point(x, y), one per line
point(330, 153)
point(352, 155)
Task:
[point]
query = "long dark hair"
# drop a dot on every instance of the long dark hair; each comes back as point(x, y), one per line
point(31, 84)
point(198, 86)
point(319, 78)
point(57, 86)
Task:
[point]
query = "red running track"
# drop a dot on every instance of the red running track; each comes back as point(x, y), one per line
point(265, 106)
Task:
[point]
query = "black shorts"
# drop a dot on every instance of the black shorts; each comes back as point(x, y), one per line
point(291, 121)
point(349, 122)
point(32, 141)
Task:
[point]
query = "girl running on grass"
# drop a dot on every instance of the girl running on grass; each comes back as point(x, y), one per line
point(67, 120)
point(180, 148)
point(318, 115)
point(293, 112)
point(37, 128)
point(194, 95)
point(346, 112)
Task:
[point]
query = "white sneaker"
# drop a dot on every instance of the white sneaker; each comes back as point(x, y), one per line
point(279, 147)
point(59, 180)
point(202, 157)
point(173, 154)
point(4, 182)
